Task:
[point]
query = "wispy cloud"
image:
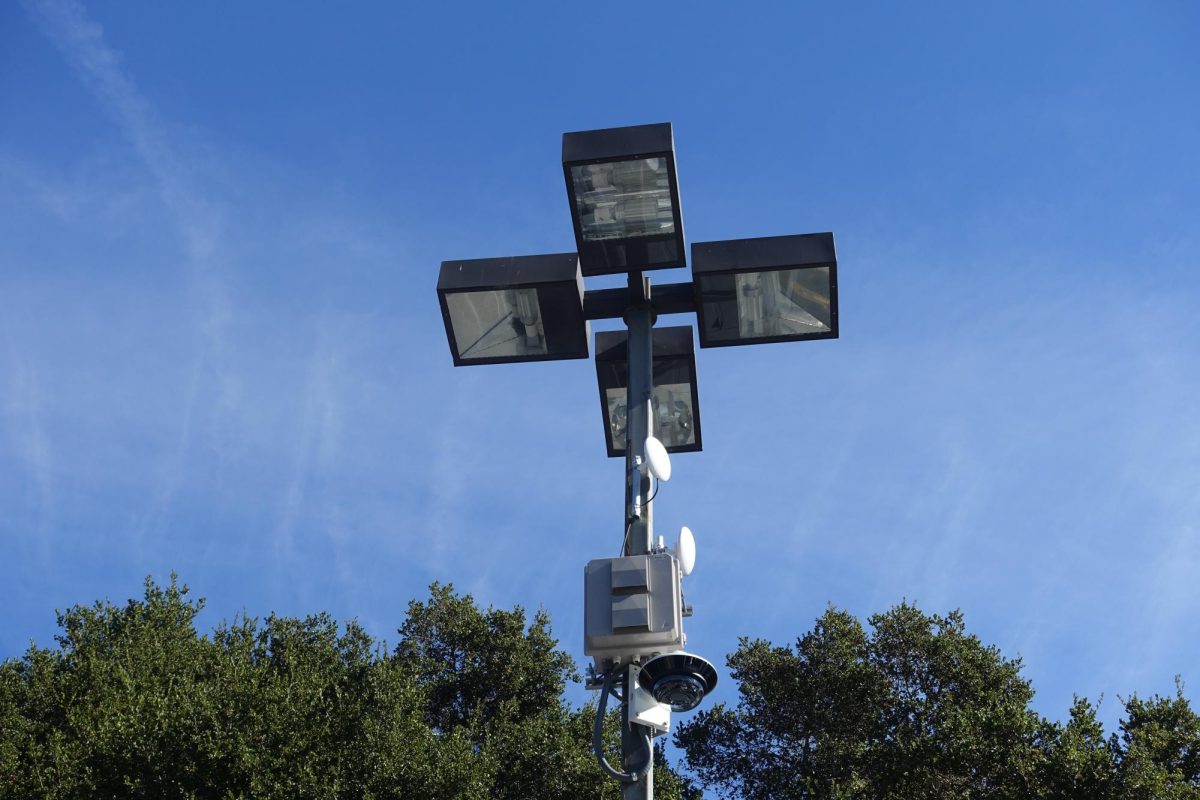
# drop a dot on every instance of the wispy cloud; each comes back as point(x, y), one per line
point(21, 412)
point(197, 217)
point(449, 467)
point(1163, 463)
point(82, 43)
point(315, 441)
point(226, 415)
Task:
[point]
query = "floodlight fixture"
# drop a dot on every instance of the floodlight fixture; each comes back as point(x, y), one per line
point(521, 308)
point(771, 289)
point(675, 403)
point(624, 195)
point(623, 191)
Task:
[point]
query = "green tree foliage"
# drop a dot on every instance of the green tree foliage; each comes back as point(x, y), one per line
point(135, 703)
point(500, 679)
point(915, 707)
point(1159, 748)
point(1078, 763)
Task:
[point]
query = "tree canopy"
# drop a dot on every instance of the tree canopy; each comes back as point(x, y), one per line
point(135, 703)
point(916, 707)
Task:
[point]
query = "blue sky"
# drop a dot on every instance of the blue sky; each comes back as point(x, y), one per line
point(221, 351)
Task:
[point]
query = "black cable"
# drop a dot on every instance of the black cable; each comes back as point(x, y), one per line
point(598, 740)
point(625, 541)
point(629, 522)
point(657, 483)
point(629, 473)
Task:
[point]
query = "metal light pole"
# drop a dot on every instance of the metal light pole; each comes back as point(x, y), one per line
point(639, 319)
point(626, 216)
point(639, 514)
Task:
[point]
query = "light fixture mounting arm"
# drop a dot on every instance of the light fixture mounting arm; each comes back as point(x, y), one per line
point(669, 298)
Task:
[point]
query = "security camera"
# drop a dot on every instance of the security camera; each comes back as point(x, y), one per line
point(679, 680)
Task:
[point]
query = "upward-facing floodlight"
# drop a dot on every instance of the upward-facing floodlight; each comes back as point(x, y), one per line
point(773, 289)
point(675, 406)
point(523, 308)
point(624, 198)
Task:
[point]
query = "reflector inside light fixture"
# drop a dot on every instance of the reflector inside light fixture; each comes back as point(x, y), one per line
point(674, 403)
point(515, 308)
point(497, 324)
point(673, 418)
point(773, 289)
point(786, 302)
point(623, 199)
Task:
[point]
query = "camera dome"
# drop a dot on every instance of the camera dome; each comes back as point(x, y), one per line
point(679, 680)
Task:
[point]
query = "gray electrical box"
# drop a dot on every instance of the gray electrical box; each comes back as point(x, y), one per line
point(632, 607)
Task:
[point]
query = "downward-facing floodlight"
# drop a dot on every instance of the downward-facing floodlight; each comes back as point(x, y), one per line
point(624, 198)
point(522, 308)
point(675, 405)
point(773, 289)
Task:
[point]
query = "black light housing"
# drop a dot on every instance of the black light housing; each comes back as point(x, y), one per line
point(624, 195)
point(519, 308)
point(771, 289)
point(676, 403)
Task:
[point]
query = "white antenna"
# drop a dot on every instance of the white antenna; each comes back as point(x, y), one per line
point(657, 460)
point(685, 550)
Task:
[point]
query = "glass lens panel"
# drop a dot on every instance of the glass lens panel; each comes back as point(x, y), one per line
point(623, 199)
point(761, 305)
point(673, 422)
point(497, 324)
point(674, 417)
point(618, 418)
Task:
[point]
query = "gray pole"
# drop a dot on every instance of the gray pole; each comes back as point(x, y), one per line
point(640, 538)
point(639, 318)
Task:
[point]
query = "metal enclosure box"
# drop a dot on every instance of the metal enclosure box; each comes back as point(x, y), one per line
point(632, 607)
